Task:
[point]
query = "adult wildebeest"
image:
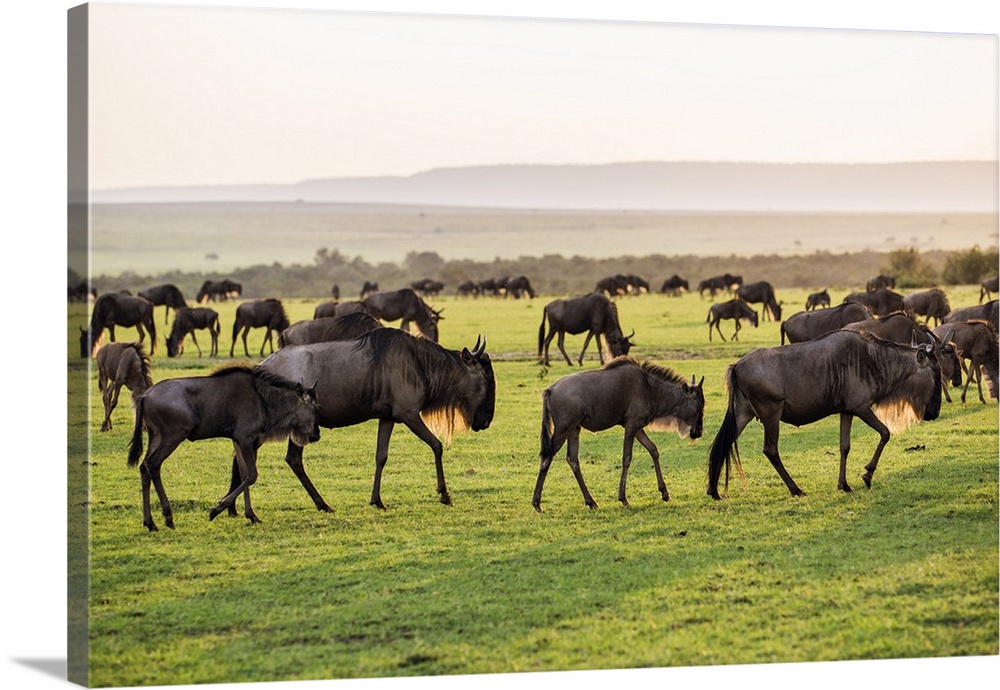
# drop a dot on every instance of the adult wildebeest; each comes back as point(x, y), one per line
point(394, 377)
point(843, 373)
point(624, 393)
point(987, 287)
point(167, 295)
point(368, 288)
point(82, 292)
point(328, 309)
point(468, 288)
point(326, 329)
point(493, 286)
point(818, 300)
point(735, 309)
point(246, 405)
point(761, 293)
point(716, 284)
point(594, 314)
point(186, 322)
point(218, 291)
point(879, 302)
point(982, 312)
point(428, 287)
point(520, 286)
point(931, 304)
point(406, 306)
point(265, 313)
point(809, 325)
point(880, 282)
point(975, 341)
point(674, 286)
point(114, 309)
point(121, 364)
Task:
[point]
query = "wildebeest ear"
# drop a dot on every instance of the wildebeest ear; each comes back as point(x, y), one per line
point(467, 356)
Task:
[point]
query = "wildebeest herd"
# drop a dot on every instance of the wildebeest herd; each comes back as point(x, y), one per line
point(868, 357)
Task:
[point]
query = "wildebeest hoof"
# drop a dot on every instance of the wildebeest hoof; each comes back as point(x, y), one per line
point(537, 507)
point(378, 504)
point(152, 527)
point(214, 513)
point(446, 499)
point(867, 477)
point(592, 505)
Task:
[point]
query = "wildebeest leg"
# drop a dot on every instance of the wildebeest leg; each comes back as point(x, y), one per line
point(385, 427)
point(111, 332)
point(626, 462)
point(294, 459)
point(975, 366)
point(110, 402)
point(159, 450)
point(545, 347)
point(736, 333)
point(845, 448)
point(771, 425)
point(586, 342)
point(246, 332)
point(573, 458)
point(543, 470)
point(719, 330)
point(246, 454)
point(195, 341)
point(868, 417)
point(560, 341)
point(418, 427)
point(648, 444)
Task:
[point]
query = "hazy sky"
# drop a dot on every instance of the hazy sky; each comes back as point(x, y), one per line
point(209, 95)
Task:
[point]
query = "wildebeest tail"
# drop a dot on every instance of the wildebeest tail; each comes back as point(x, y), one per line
point(782, 332)
point(724, 449)
point(547, 449)
point(135, 445)
point(541, 333)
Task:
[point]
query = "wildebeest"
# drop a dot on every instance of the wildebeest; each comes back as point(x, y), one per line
point(976, 341)
point(428, 286)
point(494, 286)
point(879, 302)
point(879, 282)
point(368, 288)
point(987, 287)
point(982, 312)
point(722, 283)
point(843, 373)
point(335, 292)
point(265, 313)
point(674, 286)
point(246, 405)
point(817, 300)
point(931, 304)
point(168, 296)
point(468, 288)
point(735, 309)
point(626, 393)
point(808, 325)
point(520, 286)
point(114, 309)
point(218, 291)
point(81, 292)
point(593, 314)
point(406, 306)
point(121, 364)
point(186, 322)
point(394, 377)
point(622, 284)
point(328, 309)
point(761, 293)
point(327, 328)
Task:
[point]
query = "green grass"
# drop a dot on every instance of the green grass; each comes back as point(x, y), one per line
point(906, 569)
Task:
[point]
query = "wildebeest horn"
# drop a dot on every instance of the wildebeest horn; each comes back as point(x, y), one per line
point(480, 346)
point(630, 335)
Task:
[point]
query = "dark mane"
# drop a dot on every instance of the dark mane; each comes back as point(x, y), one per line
point(144, 363)
point(663, 373)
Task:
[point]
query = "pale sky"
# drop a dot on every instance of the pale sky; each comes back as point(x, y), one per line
point(185, 95)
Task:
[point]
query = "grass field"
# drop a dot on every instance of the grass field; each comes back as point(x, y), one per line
point(906, 569)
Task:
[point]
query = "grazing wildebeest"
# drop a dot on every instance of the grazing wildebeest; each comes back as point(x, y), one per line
point(931, 304)
point(186, 322)
point(843, 373)
point(716, 284)
point(428, 286)
point(735, 309)
point(761, 293)
point(612, 286)
point(987, 287)
point(114, 309)
point(880, 282)
point(809, 325)
point(594, 314)
point(218, 291)
point(624, 393)
point(327, 329)
point(520, 286)
point(327, 309)
point(368, 288)
point(976, 341)
point(817, 300)
point(674, 286)
point(335, 292)
point(406, 306)
point(121, 364)
point(264, 313)
point(394, 377)
point(82, 292)
point(167, 295)
point(468, 288)
point(246, 405)
point(879, 302)
point(982, 312)
point(494, 286)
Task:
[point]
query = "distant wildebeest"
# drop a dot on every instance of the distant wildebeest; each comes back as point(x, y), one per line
point(976, 341)
point(121, 364)
point(81, 292)
point(593, 314)
point(114, 309)
point(328, 309)
point(621, 284)
point(879, 302)
point(735, 309)
point(843, 373)
point(468, 288)
point(817, 300)
point(218, 291)
point(327, 329)
point(405, 306)
point(761, 293)
point(368, 288)
point(674, 286)
point(428, 287)
point(723, 283)
point(981, 312)
point(264, 313)
point(246, 405)
point(186, 322)
point(394, 377)
point(988, 287)
point(624, 393)
point(167, 295)
point(335, 292)
point(809, 325)
point(494, 286)
point(880, 282)
point(520, 286)
point(931, 304)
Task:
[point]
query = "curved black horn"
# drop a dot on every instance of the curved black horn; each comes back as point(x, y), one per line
point(480, 346)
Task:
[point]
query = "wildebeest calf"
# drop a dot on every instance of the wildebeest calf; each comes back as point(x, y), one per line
point(735, 309)
point(121, 364)
point(976, 341)
point(817, 300)
point(189, 320)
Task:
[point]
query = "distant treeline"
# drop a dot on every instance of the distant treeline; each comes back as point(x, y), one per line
point(559, 275)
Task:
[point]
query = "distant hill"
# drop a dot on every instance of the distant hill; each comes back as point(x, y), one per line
point(965, 187)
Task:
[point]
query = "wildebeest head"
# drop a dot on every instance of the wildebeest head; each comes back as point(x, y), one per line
point(619, 344)
point(917, 392)
point(484, 387)
point(298, 415)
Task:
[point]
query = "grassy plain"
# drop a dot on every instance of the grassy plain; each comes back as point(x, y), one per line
point(906, 569)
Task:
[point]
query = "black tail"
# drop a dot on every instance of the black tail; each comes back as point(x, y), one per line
point(782, 332)
point(547, 451)
point(724, 448)
point(541, 333)
point(135, 445)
